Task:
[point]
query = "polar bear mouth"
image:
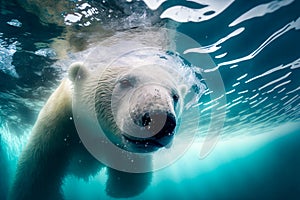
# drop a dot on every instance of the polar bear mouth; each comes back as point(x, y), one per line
point(143, 142)
point(146, 145)
point(161, 139)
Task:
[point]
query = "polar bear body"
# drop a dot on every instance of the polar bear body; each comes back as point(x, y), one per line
point(55, 148)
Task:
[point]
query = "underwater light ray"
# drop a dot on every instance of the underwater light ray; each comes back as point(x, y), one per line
point(279, 85)
point(290, 26)
point(215, 46)
point(261, 10)
point(275, 81)
point(295, 90)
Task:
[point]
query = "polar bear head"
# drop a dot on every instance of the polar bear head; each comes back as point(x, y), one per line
point(138, 108)
point(146, 107)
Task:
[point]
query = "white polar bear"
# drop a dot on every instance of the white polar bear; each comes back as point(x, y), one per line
point(137, 104)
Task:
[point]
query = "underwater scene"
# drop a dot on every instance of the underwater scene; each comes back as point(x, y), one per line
point(149, 99)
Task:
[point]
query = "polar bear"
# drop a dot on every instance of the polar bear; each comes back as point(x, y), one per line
point(137, 103)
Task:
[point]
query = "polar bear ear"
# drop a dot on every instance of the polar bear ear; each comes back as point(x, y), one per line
point(77, 70)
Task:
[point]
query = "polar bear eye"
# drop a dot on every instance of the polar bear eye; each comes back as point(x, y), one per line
point(126, 83)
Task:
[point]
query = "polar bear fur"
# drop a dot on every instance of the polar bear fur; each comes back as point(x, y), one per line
point(55, 149)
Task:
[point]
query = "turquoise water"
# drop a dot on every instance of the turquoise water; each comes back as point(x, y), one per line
point(255, 49)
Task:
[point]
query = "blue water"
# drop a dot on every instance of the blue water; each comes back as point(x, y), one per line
point(255, 49)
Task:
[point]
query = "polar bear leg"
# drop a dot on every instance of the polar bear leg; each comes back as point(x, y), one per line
point(122, 184)
point(43, 163)
point(39, 173)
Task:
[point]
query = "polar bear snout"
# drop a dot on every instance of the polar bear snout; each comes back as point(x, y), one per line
point(157, 130)
point(155, 126)
point(165, 121)
point(165, 134)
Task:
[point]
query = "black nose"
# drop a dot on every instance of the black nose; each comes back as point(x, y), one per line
point(146, 119)
point(166, 124)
